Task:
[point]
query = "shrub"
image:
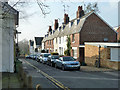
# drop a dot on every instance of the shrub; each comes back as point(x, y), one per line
point(54, 53)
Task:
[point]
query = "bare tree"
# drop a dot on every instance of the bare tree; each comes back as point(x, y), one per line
point(24, 47)
point(21, 5)
point(91, 7)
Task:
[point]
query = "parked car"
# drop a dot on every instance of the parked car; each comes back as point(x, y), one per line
point(67, 62)
point(31, 56)
point(27, 57)
point(38, 57)
point(44, 57)
point(52, 59)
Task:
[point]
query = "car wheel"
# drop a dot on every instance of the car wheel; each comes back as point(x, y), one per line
point(63, 68)
point(55, 66)
point(51, 64)
point(78, 69)
point(43, 62)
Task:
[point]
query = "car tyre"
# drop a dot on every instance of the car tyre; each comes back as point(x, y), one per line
point(55, 66)
point(51, 64)
point(63, 68)
point(43, 62)
point(78, 69)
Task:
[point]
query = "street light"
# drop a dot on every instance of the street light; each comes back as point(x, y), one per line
point(17, 42)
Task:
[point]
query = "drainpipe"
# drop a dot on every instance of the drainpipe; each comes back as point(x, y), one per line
point(99, 57)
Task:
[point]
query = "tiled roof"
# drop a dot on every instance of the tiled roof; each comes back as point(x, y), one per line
point(69, 30)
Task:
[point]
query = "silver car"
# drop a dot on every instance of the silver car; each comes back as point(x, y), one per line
point(44, 57)
point(67, 62)
point(52, 59)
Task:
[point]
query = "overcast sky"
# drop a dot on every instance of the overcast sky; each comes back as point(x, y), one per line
point(37, 25)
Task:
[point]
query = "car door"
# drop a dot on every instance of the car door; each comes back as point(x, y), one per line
point(60, 62)
point(41, 57)
point(49, 59)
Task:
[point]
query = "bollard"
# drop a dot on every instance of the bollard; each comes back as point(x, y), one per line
point(38, 87)
point(30, 83)
point(24, 80)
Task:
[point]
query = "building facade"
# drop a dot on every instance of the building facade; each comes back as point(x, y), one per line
point(118, 36)
point(8, 22)
point(108, 53)
point(38, 44)
point(31, 47)
point(87, 27)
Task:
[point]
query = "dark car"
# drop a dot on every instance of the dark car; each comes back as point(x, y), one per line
point(28, 57)
point(67, 62)
point(52, 59)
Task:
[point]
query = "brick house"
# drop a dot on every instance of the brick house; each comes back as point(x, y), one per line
point(118, 36)
point(84, 28)
point(108, 53)
point(49, 41)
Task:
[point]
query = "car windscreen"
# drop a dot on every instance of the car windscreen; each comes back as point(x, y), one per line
point(46, 55)
point(68, 59)
point(55, 57)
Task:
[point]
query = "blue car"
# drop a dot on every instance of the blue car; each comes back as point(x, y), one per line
point(67, 62)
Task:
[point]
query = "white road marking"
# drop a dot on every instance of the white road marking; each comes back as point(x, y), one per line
point(112, 73)
point(85, 78)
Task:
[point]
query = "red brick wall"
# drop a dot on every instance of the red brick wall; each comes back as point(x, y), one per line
point(95, 30)
point(118, 37)
point(75, 43)
point(91, 53)
point(48, 45)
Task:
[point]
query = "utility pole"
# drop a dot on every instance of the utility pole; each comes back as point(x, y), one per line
point(99, 57)
point(17, 49)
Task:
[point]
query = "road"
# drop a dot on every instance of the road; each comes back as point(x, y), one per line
point(42, 74)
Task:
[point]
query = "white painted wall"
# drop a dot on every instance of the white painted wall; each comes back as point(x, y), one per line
point(115, 54)
point(0, 38)
point(56, 45)
point(63, 45)
point(43, 46)
point(7, 43)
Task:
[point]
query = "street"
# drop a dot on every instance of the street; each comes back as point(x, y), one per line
point(70, 78)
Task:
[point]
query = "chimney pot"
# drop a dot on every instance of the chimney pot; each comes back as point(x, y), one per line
point(56, 24)
point(66, 18)
point(50, 29)
point(80, 12)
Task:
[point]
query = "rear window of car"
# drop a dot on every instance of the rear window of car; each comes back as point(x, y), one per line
point(55, 57)
point(68, 59)
point(46, 55)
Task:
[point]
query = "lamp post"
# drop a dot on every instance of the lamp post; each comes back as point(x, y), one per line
point(99, 57)
point(17, 43)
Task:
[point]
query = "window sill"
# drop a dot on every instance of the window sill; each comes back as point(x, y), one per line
point(73, 42)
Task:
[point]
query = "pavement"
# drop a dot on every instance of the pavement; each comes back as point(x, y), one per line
point(87, 77)
point(95, 69)
point(10, 80)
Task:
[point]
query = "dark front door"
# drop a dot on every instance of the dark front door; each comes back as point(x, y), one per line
point(81, 54)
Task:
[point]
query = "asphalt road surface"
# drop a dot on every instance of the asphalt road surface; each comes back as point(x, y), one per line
point(51, 78)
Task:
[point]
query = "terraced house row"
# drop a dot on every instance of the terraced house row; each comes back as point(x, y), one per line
point(89, 27)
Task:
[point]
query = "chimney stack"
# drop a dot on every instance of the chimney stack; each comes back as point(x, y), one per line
point(50, 29)
point(56, 24)
point(80, 12)
point(66, 18)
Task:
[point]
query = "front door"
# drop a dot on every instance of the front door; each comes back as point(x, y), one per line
point(81, 54)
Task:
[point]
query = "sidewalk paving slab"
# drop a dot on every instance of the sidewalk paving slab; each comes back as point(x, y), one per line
point(10, 80)
point(95, 69)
